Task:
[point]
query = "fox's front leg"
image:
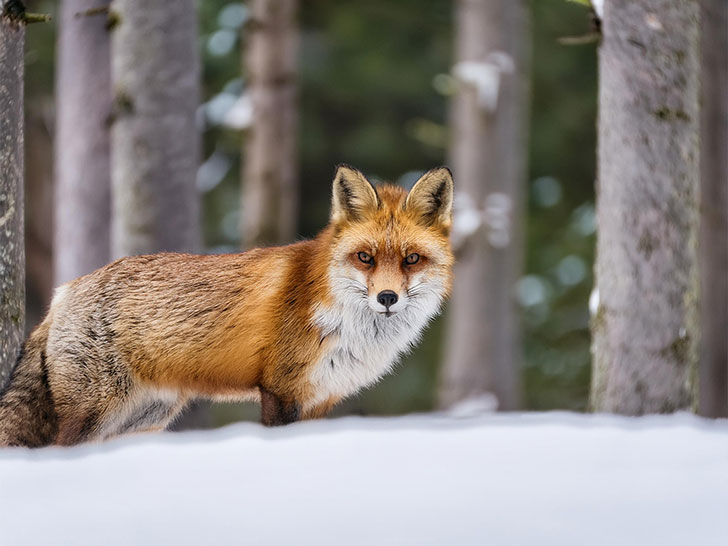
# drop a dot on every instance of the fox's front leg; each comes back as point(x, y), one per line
point(321, 410)
point(276, 410)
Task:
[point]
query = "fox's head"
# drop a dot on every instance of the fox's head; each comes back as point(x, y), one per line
point(391, 253)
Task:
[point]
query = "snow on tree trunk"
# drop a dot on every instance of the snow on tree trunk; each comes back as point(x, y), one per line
point(270, 192)
point(82, 162)
point(714, 227)
point(154, 140)
point(12, 255)
point(489, 157)
point(646, 327)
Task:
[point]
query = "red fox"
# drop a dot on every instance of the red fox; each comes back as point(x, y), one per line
point(297, 327)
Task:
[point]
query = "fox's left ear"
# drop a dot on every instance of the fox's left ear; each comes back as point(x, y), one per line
point(431, 197)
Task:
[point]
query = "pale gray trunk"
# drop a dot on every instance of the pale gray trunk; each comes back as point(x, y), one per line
point(270, 192)
point(489, 159)
point(12, 255)
point(82, 163)
point(714, 228)
point(154, 140)
point(646, 328)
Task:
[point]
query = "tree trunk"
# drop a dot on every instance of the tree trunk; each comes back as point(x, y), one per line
point(489, 158)
point(38, 209)
point(646, 329)
point(82, 162)
point(155, 74)
point(714, 227)
point(12, 255)
point(154, 140)
point(270, 193)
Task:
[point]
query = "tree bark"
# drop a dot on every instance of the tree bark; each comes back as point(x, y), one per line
point(489, 158)
point(154, 140)
point(82, 161)
point(714, 226)
point(646, 329)
point(12, 255)
point(270, 192)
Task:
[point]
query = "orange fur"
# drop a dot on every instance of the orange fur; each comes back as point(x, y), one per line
point(231, 326)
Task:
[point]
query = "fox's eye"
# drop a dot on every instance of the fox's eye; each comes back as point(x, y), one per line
point(412, 259)
point(364, 257)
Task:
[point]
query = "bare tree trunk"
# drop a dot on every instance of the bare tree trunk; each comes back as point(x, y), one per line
point(270, 192)
point(155, 75)
point(82, 162)
point(38, 209)
point(12, 255)
point(489, 158)
point(714, 227)
point(646, 329)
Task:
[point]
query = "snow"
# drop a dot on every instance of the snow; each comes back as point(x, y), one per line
point(598, 7)
point(468, 218)
point(594, 302)
point(485, 76)
point(522, 479)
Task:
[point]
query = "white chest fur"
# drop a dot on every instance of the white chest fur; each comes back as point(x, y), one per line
point(362, 347)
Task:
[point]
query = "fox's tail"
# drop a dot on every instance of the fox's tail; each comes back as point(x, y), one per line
point(27, 413)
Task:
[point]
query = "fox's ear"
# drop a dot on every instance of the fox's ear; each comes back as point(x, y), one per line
point(353, 195)
point(431, 197)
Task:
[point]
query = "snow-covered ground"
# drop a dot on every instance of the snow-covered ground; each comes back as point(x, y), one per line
point(525, 479)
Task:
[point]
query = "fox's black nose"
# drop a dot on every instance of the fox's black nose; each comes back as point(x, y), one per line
point(387, 298)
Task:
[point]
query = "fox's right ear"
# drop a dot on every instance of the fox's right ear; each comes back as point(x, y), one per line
point(353, 195)
point(432, 196)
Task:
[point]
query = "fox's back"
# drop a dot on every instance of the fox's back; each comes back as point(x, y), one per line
point(171, 317)
point(299, 327)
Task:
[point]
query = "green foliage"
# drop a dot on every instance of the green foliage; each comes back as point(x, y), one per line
point(561, 235)
point(586, 3)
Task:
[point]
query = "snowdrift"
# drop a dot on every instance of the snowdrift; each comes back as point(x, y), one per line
point(530, 479)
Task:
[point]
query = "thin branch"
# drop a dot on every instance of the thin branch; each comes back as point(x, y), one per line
point(101, 10)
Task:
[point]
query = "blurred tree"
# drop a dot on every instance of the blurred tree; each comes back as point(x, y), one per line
point(270, 166)
point(38, 209)
point(39, 128)
point(82, 162)
point(714, 197)
point(646, 326)
point(155, 75)
point(154, 140)
point(489, 159)
point(12, 256)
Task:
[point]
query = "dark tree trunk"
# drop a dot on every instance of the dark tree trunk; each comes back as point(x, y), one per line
point(270, 189)
point(12, 254)
point(489, 158)
point(38, 209)
point(714, 227)
point(646, 329)
point(82, 161)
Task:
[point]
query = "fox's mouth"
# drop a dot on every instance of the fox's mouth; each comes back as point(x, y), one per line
point(387, 313)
